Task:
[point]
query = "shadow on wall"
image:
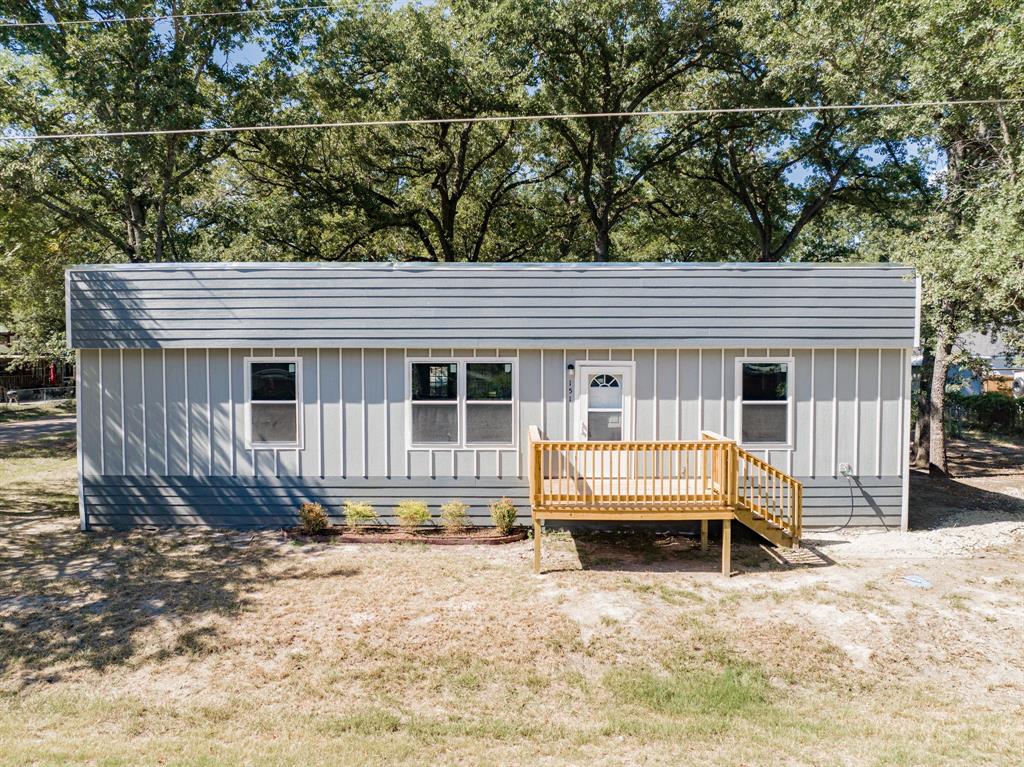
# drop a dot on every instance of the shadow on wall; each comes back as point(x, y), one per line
point(70, 601)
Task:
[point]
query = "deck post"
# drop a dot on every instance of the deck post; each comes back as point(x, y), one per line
point(726, 547)
point(703, 535)
point(536, 545)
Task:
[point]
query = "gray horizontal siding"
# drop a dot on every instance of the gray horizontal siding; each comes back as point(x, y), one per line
point(538, 306)
point(247, 502)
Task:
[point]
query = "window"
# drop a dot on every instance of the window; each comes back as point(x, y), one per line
point(764, 397)
point(604, 407)
point(272, 393)
point(453, 402)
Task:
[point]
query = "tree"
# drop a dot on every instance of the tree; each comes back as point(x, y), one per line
point(438, 192)
point(136, 76)
point(782, 170)
point(969, 245)
point(616, 56)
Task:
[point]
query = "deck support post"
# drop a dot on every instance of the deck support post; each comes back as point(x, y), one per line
point(536, 545)
point(703, 535)
point(726, 547)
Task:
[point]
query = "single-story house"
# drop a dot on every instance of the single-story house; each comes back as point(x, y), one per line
point(226, 394)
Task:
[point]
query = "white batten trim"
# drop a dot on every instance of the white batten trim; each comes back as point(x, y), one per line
point(657, 395)
point(565, 398)
point(878, 421)
point(231, 410)
point(543, 399)
point(163, 375)
point(145, 420)
point(700, 391)
point(188, 418)
point(855, 463)
point(124, 426)
point(300, 419)
point(246, 384)
point(341, 407)
point(811, 459)
point(408, 453)
point(721, 392)
point(83, 518)
point(362, 407)
point(387, 420)
point(679, 401)
point(796, 437)
point(319, 415)
point(835, 412)
point(209, 418)
point(904, 444)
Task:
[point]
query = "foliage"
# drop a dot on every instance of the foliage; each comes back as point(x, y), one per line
point(359, 514)
point(991, 411)
point(411, 514)
point(313, 518)
point(454, 516)
point(503, 515)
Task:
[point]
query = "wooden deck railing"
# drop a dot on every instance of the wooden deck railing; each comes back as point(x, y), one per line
point(651, 475)
point(712, 474)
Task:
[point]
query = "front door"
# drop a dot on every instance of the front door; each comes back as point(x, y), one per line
point(604, 413)
point(604, 409)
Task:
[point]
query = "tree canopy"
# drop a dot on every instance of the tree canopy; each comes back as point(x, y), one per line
point(939, 187)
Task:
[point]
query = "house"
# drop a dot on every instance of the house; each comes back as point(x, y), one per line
point(1003, 369)
point(225, 394)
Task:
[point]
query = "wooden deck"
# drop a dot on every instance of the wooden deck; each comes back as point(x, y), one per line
point(702, 480)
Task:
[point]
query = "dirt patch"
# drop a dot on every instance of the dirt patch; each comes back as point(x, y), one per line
point(230, 648)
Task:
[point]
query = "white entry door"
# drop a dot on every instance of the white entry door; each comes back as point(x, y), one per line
point(604, 405)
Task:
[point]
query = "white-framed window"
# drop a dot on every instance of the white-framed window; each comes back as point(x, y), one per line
point(461, 402)
point(273, 402)
point(764, 402)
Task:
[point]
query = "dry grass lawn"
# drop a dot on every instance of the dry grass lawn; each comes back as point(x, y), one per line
point(211, 648)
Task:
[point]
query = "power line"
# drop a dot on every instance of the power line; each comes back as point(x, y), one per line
point(695, 112)
point(165, 17)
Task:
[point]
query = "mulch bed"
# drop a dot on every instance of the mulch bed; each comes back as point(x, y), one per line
point(485, 536)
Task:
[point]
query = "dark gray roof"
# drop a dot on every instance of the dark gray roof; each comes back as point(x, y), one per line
point(618, 305)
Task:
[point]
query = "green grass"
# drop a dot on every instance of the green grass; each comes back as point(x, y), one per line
point(35, 411)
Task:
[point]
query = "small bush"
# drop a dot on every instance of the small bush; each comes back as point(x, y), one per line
point(312, 518)
point(454, 518)
point(412, 513)
point(503, 514)
point(358, 514)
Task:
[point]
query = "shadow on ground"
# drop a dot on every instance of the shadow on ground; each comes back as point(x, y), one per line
point(72, 600)
point(643, 551)
point(938, 502)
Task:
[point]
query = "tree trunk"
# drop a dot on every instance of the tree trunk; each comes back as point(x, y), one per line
point(923, 403)
point(937, 436)
point(601, 241)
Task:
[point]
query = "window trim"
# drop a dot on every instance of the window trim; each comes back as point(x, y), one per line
point(790, 364)
point(461, 402)
point(300, 434)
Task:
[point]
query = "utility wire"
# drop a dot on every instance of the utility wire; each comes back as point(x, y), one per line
point(505, 119)
point(165, 17)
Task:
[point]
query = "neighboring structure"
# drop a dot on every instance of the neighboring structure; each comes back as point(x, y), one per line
point(1002, 367)
point(227, 393)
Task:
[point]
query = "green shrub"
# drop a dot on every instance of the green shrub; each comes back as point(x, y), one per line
point(454, 518)
point(503, 514)
point(412, 513)
point(312, 518)
point(358, 514)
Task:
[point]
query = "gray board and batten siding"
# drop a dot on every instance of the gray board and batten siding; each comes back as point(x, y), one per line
point(161, 367)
